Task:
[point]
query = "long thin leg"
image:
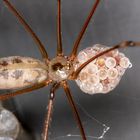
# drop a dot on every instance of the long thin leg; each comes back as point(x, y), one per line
point(23, 91)
point(28, 29)
point(49, 112)
point(124, 44)
point(74, 109)
point(59, 36)
point(77, 42)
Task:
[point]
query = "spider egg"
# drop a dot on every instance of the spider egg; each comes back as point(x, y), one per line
point(112, 73)
point(124, 62)
point(110, 62)
point(104, 73)
point(101, 62)
point(18, 72)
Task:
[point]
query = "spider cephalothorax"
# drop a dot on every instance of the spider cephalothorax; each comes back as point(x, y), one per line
point(94, 71)
point(60, 68)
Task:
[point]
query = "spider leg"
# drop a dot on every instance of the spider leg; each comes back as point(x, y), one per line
point(28, 29)
point(59, 36)
point(79, 38)
point(74, 109)
point(23, 91)
point(49, 112)
point(124, 44)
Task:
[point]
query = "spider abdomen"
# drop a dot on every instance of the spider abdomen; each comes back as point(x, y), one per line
point(104, 73)
point(18, 72)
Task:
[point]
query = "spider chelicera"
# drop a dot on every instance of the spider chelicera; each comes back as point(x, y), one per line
point(31, 74)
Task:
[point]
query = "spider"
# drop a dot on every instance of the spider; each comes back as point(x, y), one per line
point(97, 69)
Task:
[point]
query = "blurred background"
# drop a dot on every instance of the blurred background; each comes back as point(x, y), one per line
point(113, 22)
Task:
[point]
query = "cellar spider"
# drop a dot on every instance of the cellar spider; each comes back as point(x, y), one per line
point(35, 74)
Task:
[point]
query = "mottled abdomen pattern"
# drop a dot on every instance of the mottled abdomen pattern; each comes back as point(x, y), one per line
point(18, 72)
point(104, 73)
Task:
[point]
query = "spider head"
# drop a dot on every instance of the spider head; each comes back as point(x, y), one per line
point(60, 68)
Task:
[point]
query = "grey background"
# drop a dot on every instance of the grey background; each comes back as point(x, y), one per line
point(114, 21)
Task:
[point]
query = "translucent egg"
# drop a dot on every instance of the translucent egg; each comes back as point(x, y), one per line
point(98, 88)
point(112, 73)
point(83, 76)
point(90, 52)
point(124, 62)
point(92, 68)
point(82, 57)
point(110, 62)
point(102, 74)
point(100, 62)
point(87, 87)
point(94, 79)
point(121, 70)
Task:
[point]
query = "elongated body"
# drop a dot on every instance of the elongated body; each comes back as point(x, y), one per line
point(97, 69)
point(18, 72)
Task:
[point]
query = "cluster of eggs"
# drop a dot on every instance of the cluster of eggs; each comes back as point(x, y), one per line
point(102, 74)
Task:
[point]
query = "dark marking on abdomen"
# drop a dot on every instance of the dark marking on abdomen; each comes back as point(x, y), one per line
point(17, 60)
point(4, 73)
point(4, 63)
point(17, 74)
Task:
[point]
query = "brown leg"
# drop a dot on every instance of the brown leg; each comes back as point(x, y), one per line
point(28, 29)
point(49, 112)
point(22, 91)
point(121, 45)
point(77, 42)
point(74, 109)
point(59, 37)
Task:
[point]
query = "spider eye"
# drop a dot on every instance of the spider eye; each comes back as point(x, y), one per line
point(104, 73)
